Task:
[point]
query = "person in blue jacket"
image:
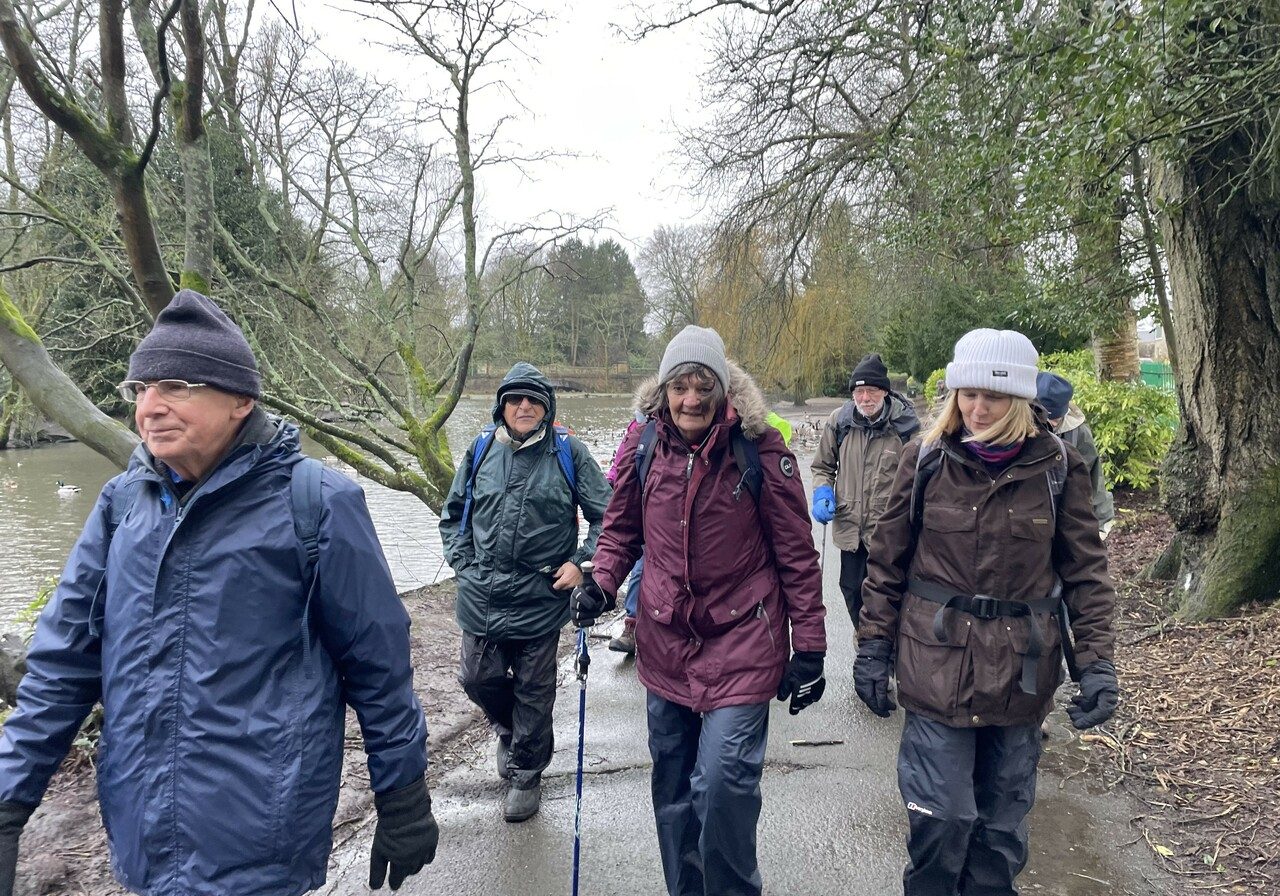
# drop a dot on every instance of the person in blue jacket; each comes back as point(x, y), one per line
point(185, 610)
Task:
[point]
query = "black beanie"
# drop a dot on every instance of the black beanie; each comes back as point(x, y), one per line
point(870, 372)
point(193, 340)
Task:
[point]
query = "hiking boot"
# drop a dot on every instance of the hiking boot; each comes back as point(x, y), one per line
point(522, 804)
point(626, 642)
point(503, 757)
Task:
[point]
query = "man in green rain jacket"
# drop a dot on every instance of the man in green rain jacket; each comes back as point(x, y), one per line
point(515, 549)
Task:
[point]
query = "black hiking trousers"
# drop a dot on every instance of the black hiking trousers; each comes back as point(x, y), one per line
point(968, 792)
point(853, 572)
point(514, 682)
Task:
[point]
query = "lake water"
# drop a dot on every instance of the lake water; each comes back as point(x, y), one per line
point(38, 528)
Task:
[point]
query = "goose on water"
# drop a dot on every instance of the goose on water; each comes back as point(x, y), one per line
point(67, 491)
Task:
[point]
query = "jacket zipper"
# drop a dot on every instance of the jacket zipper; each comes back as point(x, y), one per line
point(762, 613)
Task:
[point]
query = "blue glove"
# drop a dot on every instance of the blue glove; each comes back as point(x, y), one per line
point(824, 504)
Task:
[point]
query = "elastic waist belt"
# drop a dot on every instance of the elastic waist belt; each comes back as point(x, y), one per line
point(982, 606)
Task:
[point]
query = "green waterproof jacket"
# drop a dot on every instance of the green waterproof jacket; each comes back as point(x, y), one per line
point(522, 527)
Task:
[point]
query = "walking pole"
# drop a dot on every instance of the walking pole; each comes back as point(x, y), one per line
point(584, 661)
point(823, 565)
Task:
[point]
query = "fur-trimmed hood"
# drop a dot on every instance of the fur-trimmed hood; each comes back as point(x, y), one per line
point(744, 395)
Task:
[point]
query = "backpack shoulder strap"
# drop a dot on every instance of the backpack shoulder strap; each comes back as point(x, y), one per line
point(928, 462)
point(747, 455)
point(564, 454)
point(479, 448)
point(307, 505)
point(1057, 476)
point(122, 501)
point(644, 450)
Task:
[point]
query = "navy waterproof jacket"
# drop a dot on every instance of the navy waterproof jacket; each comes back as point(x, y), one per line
point(222, 736)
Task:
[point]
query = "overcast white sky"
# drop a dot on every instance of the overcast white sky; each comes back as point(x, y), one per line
point(587, 90)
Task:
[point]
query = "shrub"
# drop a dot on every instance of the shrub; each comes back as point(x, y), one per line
point(934, 385)
point(1132, 423)
point(1132, 426)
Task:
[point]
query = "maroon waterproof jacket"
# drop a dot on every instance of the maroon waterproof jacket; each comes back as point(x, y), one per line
point(724, 578)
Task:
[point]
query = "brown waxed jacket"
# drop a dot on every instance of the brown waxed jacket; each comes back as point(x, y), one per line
point(997, 536)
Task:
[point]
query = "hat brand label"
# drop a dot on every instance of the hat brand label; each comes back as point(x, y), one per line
point(999, 373)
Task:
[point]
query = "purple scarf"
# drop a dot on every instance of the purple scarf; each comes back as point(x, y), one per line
point(995, 456)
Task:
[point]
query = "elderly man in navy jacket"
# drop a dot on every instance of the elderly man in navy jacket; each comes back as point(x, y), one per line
point(221, 645)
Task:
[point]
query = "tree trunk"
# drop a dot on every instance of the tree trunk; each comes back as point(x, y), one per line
point(53, 392)
point(1115, 348)
point(1222, 479)
point(1103, 274)
point(8, 412)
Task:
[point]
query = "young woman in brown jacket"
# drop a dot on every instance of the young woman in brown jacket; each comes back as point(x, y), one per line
point(967, 579)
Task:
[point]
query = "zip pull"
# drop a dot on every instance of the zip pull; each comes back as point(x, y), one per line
point(688, 468)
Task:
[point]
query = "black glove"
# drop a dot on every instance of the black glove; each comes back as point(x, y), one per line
point(13, 816)
point(406, 835)
point(588, 601)
point(1099, 695)
point(871, 675)
point(803, 681)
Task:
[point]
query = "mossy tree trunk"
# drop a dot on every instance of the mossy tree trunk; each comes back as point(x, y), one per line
point(1222, 478)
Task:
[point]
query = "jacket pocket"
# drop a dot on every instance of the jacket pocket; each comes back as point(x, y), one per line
point(944, 518)
point(741, 603)
point(935, 676)
point(1048, 666)
point(1033, 526)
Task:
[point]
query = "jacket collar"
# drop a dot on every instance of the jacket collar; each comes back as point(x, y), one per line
point(1038, 452)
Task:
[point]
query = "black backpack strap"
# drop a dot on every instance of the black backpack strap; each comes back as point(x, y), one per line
point(307, 505)
point(928, 462)
point(122, 501)
point(644, 450)
point(747, 455)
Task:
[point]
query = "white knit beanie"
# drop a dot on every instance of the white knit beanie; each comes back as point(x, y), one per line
point(995, 360)
point(703, 345)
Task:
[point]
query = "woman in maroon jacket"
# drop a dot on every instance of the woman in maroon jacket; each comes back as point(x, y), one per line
point(727, 578)
point(969, 569)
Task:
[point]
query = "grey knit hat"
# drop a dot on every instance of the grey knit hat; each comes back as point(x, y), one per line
point(700, 345)
point(194, 340)
point(995, 360)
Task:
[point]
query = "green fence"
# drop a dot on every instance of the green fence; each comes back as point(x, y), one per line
point(1158, 374)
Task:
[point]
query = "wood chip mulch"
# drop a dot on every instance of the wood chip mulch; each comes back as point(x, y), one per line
point(1197, 736)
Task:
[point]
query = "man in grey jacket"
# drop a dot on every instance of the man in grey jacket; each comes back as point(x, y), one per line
point(1054, 394)
point(510, 531)
point(854, 467)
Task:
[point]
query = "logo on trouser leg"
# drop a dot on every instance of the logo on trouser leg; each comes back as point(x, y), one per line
point(916, 807)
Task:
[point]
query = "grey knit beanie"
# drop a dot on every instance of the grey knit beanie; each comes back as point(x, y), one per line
point(701, 345)
point(193, 340)
point(995, 360)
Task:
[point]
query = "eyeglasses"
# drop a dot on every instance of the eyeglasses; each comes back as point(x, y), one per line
point(168, 390)
point(514, 400)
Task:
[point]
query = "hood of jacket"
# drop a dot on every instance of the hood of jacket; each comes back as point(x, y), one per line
point(524, 375)
point(744, 395)
point(1072, 419)
point(901, 417)
point(264, 439)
